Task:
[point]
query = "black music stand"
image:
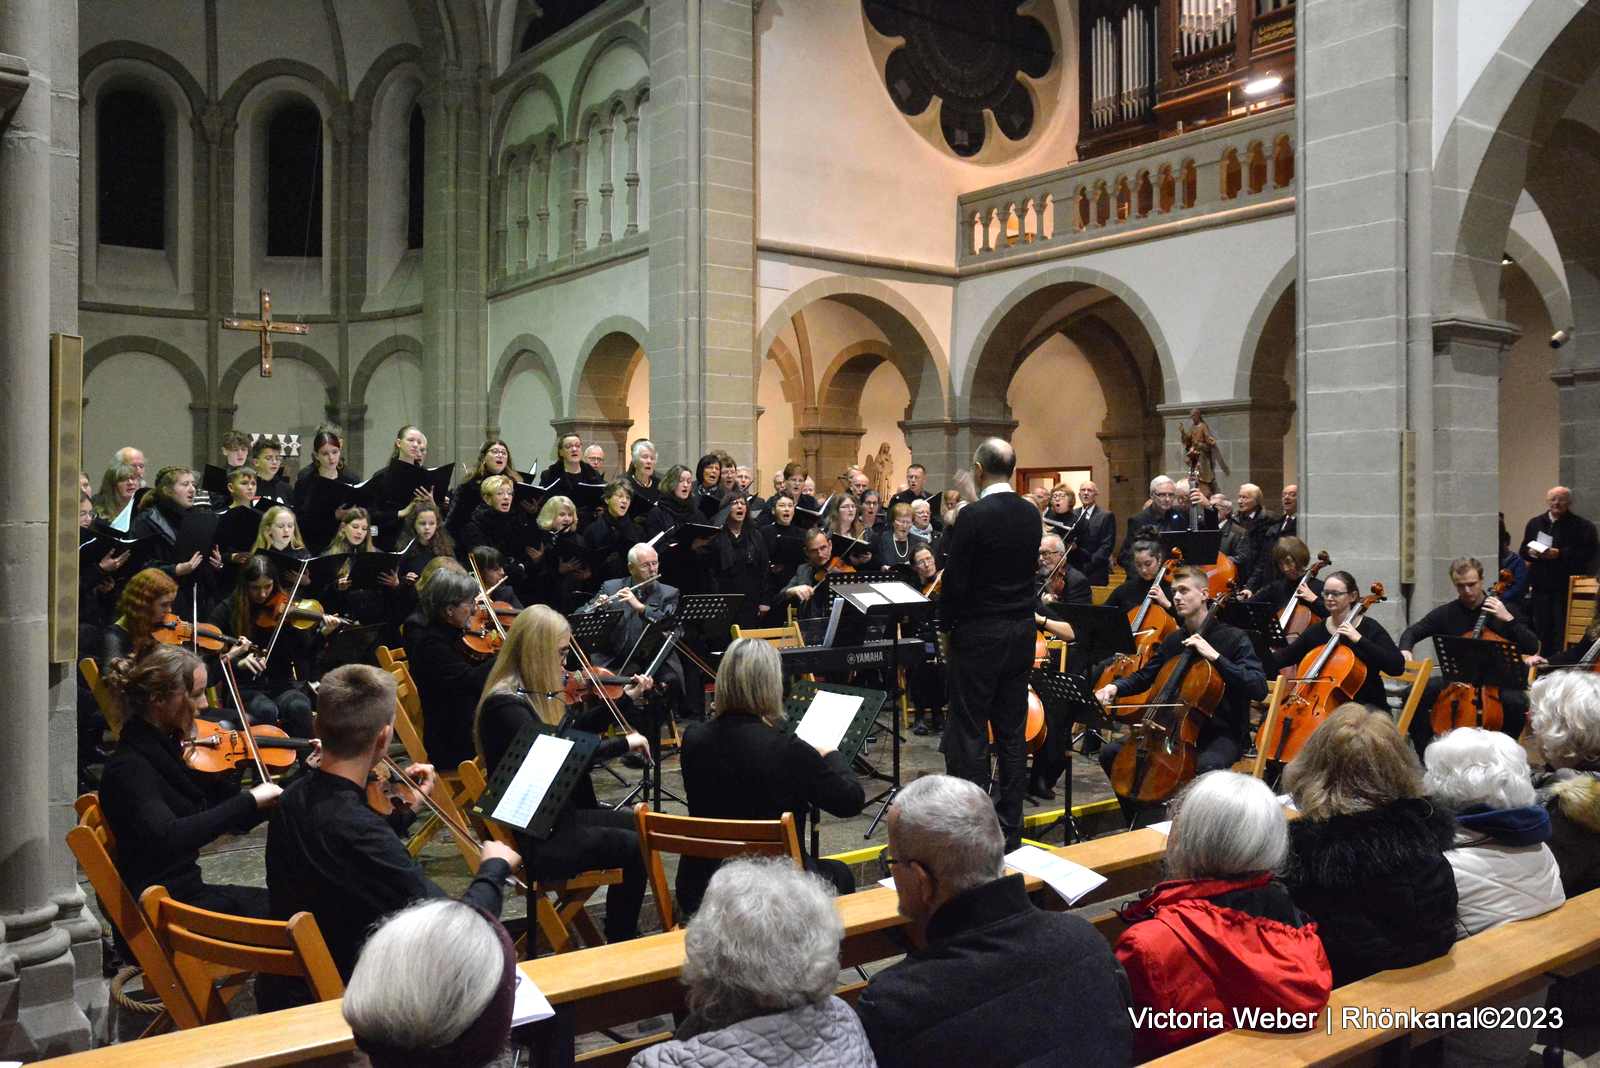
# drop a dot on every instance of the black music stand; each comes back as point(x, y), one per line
point(1199, 547)
point(1073, 696)
point(799, 700)
point(1099, 631)
point(574, 766)
point(591, 628)
point(656, 643)
point(1479, 662)
point(1257, 619)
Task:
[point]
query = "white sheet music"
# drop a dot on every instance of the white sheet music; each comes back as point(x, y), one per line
point(1071, 881)
point(827, 718)
point(1164, 827)
point(528, 1004)
point(898, 593)
point(125, 516)
point(532, 781)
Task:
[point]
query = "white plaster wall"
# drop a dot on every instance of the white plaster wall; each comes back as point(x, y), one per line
point(1466, 35)
point(638, 407)
point(255, 32)
point(177, 28)
point(293, 401)
point(1530, 224)
point(368, 28)
point(1059, 407)
point(774, 428)
point(393, 399)
point(526, 408)
point(135, 398)
point(1530, 416)
point(884, 397)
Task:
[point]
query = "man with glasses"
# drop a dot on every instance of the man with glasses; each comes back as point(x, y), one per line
point(983, 949)
point(1164, 513)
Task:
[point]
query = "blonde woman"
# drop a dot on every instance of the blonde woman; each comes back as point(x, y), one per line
point(279, 531)
point(525, 686)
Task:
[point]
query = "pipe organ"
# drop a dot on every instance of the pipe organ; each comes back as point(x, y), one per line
point(1206, 24)
point(1122, 66)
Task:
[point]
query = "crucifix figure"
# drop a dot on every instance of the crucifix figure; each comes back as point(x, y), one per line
point(266, 328)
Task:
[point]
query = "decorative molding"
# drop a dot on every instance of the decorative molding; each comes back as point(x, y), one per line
point(1572, 376)
point(1232, 406)
point(1488, 333)
point(858, 259)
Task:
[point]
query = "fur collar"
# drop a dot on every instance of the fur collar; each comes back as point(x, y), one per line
point(1579, 799)
point(1348, 850)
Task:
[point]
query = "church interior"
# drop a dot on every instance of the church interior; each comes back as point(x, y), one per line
point(826, 241)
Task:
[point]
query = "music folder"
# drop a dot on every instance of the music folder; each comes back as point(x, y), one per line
point(365, 568)
point(535, 777)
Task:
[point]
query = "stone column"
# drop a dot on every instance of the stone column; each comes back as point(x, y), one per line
point(932, 445)
point(580, 195)
point(606, 187)
point(38, 293)
point(522, 166)
point(1249, 437)
point(1578, 392)
point(631, 178)
point(702, 246)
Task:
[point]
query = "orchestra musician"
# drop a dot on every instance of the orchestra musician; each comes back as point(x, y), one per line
point(1057, 586)
point(1222, 737)
point(1458, 617)
point(1369, 642)
point(987, 631)
point(1292, 558)
point(145, 601)
point(525, 686)
point(449, 678)
point(1146, 560)
point(273, 688)
point(811, 573)
point(653, 602)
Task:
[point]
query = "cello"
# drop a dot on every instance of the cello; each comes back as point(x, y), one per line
point(1328, 675)
point(1461, 704)
point(1150, 624)
point(1296, 617)
point(1161, 755)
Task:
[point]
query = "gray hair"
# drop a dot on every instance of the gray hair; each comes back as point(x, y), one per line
point(639, 445)
point(940, 816)
point(766, 939)
point(1154, 482)
point(637, 552)
point(1471, 766)
point(392, 1001)
point(1225, 824)
point(446, 588)
point(1566, 718)
point(750, 680)
point(996, 457)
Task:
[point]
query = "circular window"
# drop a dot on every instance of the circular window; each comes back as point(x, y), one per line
point(974, 73)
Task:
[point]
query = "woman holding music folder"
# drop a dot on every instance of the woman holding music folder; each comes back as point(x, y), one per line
point(498, 523)
point(322, 495)
point(738, 559)
point(494, 458)
point(401, 487)
point(525, 686)
point(741, 764)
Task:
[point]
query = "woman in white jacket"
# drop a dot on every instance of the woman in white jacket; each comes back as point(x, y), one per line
point(1502, 863)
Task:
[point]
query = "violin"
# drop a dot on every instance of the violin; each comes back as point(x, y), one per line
point(1161, 755)
point(577, 685)
point(303, 614)
point(1150, 624)
point(931, 589)
point(385, 792)
point(1296, 617)
point(1461, 704)
point(483, 636)
point(1329, 675)
point(175, 630)
point(214, 750)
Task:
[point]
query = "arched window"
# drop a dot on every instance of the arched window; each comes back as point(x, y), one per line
point(416, 139)
point(294, 182)
point(132, 157)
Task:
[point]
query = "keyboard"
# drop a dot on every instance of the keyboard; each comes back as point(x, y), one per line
point(821, 660)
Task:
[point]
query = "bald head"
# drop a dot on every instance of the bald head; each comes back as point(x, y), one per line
point(994, 461)
point(1559, 501)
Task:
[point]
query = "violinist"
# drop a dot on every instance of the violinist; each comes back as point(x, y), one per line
point(1291, 559)
point(160, 811)
point(614, 532)
point(448, 677)
point(738, 560)
point(491, 564)
point(266, 456)
point(925, 682)
point(1146, 566)
point(1369, 642)
point(1222, 737)
point(146, 600)
point(809, 576)
point(494, 458)
point(1459, 617)
point(317, 487)
point(498, 522)
point(1059, 584)
point(526, 685)
point(274, 688)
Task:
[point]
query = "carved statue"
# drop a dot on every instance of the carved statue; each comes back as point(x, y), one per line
point(879, 470)
point(1200, 450)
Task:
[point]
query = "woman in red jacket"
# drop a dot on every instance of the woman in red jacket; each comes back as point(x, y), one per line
point(1220, 944)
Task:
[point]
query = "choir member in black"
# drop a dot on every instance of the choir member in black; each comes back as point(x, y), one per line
point(145, 601)
point(1285, 526)
point(1062, 505)
point(738, 559)
point(786, 544)
point(685, 567)
point(812, 572)
point(925, 681)
point(497, 521)
point(395, 494)
point(319, 523)
point(97, 578)
point(449, 679)
point(741, 764)
point(241, 489)
point(266, 456)
point(491, 563)
point(728, 478)
point(1457, 618)
point(117, 487)
point(1095, 532)
point(368, 606)
point(494, 458)
point(1165, 512)
point(159, 811)
point(1146, 566)
point(559, 570)
point(1058, 585)
point(916, 487)
point(894, 546)
point(274, 690)
point(872, 517)
point(1558, 544)
point(642, 482)
point(1222, 736)
point(794, 478)
point(525, 686)
point(594, 454)
point(613, 533)
point(1370, 642)
point(331, 854)
point(569, 470)
point(708, 485)
point(922, 526)
point(428, 538)
point(235, 449)
point(843, 517)
point(280, 532)
point(1292, 558)
point(162, 513)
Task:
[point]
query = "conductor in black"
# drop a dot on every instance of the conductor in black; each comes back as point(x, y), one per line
point(986, 626)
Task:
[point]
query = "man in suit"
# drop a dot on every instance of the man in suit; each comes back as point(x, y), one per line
point(986, 628)
point(655, 603)
point(1265, 570)
point(1558, 544)
point(1095, 533)
point(1164, 513)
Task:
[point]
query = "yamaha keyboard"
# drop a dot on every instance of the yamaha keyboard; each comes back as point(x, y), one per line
point(824, 660)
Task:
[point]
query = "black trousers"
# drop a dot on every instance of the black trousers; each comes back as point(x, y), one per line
point(1547, 615)
point(289, 708)
point(1514, 703)
point(1217, 751)
point(987, 676)
point(596, 838)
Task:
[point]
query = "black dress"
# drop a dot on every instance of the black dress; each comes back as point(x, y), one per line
point(610, 538)
point(318, 524)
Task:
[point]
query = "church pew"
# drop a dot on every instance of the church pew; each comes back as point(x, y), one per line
point(1503, 961)
point(602, 986)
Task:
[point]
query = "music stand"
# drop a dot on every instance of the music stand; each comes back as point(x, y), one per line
point(1257, 619)
point(541, 820)
point(1074, 696)
point(1099, 630)
point(1199, 547)
point(799, 699)
point(1479, 662)
point(591, 628)
point(656, 643)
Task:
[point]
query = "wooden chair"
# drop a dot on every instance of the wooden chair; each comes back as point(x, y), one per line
point(559, 906)
point(1581, 594)
point(784, 637)
point(410, 703)
point(388, 658)
point(102, 694)
point(1416, 676)
point(408, 728)
point(661, 832)
point(1100, 594)
point(198, 941)
point(92, 843)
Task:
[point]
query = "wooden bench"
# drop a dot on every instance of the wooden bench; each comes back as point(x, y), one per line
point(1497, 963)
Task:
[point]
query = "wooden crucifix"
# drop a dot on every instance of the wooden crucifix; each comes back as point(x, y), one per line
point(266, 328)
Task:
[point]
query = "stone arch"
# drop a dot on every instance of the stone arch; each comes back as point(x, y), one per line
point(1544, 276)
point(393, 57)
point(320, 89)
point(193, 376)
point(531, 82)
point(248, 361)
point(101, 54)
point(1281, 283)
point(1251, 432)
point(623, 35)
point(524, 350)
point(368, 367)
point(605, 358)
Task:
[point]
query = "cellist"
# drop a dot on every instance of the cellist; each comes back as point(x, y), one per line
point(1221, 740)
point(1459, 617)
point(1369, 642)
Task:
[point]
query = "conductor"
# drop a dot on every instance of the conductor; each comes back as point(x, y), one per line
point(986, 628)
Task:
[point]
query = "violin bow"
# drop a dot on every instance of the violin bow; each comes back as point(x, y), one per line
point(483, 594)
point(272, 643)
point(589, 672)
point(455, 827)
point(244, 719)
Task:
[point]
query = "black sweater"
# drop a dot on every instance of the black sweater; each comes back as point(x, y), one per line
point(991, 555)
point(448, 686)
point(1375, 649)
point(1455, 618)
point(502, 717)
point(1236, 662)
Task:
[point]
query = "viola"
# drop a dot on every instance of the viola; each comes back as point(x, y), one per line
point(303, 614)
point(1161, 755)
point(215, 750)
point(175, 630)
point(385, 792)
point(1296, 618)
point(1150, 624)
point(576, 686)
point(931, 589)
point(1461, 704)
point(1329, 675)
point(484, 635)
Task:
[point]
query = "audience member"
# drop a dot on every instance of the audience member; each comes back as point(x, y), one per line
point(1566, 726)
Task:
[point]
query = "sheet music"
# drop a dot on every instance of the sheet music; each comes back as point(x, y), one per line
point(125, 516)
point(827, 718)
point(898, 593)
point(1071, 881)
point(528, 1004)
point(1540, 543)
point(867, 595)
point(833, 621)
point(532, 780)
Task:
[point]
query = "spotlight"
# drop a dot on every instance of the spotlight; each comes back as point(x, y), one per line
point(1559, 338)
point(1263, 85)
point(1506, 260)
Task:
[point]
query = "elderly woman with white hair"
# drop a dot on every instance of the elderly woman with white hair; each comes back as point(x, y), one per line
point(1221, 935)
point(761, 960)
point(1566, 725)
point(434, 987)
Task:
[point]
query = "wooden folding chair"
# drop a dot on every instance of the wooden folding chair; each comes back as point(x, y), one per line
point(784, 637)
point(661, 832)
point(1416, 675)
point(388, 658)
point(558, 905)
point(1581, 594)
point(102, 694)
point(92, 843)
point(408, 728)
point(199, 941)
